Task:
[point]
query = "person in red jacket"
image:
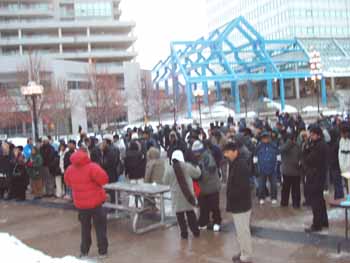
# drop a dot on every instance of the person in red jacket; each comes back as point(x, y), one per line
point(86, 179)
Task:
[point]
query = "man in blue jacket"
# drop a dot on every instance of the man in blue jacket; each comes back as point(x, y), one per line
point(266, 159)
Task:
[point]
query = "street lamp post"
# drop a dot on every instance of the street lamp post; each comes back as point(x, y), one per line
point(33, 91)
point(198, 94)
point(316, 73)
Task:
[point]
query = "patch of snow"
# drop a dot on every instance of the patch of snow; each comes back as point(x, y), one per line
point(13, 250)
point(336, 214)
point(18, 141)
point(339, 256)
point(276, 105)
point(309, 109)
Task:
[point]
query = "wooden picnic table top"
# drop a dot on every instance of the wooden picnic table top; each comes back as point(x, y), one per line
point(141, 188)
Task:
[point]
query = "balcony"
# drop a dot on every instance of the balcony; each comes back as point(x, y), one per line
point(6, 12)
point(122, 42)
point(109, 54)
point(117, 26)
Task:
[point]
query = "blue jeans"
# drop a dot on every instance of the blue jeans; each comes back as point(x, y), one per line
point(262, 185)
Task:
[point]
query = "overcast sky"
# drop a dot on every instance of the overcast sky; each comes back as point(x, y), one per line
point(160, 21)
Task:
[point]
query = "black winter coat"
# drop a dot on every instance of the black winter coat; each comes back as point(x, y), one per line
point(315, 161)
point(238, 187)
point(135, 164)
point(5, 169)
point(178, 145)
point(110, 161)
point(48, 154)
point(66, 159)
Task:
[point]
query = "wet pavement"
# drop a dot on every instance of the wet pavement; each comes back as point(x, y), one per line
point(278, 236)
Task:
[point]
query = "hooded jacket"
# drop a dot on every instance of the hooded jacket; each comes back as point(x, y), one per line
point(86, 180)
point(155, 167)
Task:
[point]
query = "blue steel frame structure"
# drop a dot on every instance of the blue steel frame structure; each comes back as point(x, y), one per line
point(234, 52)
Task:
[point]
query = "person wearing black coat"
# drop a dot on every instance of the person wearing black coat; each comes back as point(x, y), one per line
point(110, 159)
point(48, 154)
point(135, 162)
point(316, 167)
point(239, 201)
point(94, 151)
point(5, 169)
point(175, 143)
point(20, 179)
point(66, 163)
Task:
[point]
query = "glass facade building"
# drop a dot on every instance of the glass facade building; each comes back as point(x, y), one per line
point(285, 18)
point(323, 25)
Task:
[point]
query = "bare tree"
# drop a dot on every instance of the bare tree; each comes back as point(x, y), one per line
point(149, 97)
point(57, 107)
point(7, 108)
point(34, 69)
point(105, 99)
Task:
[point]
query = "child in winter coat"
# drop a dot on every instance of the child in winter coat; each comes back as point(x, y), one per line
point(179, 177)
point(209, 182)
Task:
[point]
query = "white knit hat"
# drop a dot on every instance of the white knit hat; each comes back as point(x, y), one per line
point(134, 136)
point(197, 147)
point(178, 155)
point(108, 137)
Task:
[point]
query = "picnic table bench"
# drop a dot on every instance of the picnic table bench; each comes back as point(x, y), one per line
point(338, 204)
point(140, 191)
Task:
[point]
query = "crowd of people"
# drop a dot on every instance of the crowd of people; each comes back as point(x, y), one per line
point(195, 162)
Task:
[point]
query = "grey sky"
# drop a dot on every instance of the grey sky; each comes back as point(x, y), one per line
point(161, 21)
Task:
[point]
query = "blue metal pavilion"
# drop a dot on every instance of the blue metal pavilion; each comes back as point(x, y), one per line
point(234, 52)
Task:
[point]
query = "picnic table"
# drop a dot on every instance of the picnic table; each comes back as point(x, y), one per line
point(338, 204)
point(141, 191)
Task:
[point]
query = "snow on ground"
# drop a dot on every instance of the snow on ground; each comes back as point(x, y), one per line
point(325, 111)
point(216, 112)
point(13, 250)
point(277, 105)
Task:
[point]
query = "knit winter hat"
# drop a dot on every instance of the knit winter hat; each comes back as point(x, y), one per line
point(178, 155)
point(197, 147)
point(108, 137)
point(134, 136)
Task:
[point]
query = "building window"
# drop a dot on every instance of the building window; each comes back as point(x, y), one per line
point(93, 9)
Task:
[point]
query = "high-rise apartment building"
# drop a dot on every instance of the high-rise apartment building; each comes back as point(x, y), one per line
point(70, 35)
point(76, 30)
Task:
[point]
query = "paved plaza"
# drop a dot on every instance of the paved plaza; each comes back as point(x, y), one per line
point(53, 227)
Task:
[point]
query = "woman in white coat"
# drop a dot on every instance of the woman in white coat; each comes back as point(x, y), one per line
point(344, 151)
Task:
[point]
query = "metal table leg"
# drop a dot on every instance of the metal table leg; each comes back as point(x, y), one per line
point(346, 225)
point(162, 208)
point(346, 241)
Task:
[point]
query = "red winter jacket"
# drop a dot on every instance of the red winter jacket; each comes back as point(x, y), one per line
point(86, 180)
